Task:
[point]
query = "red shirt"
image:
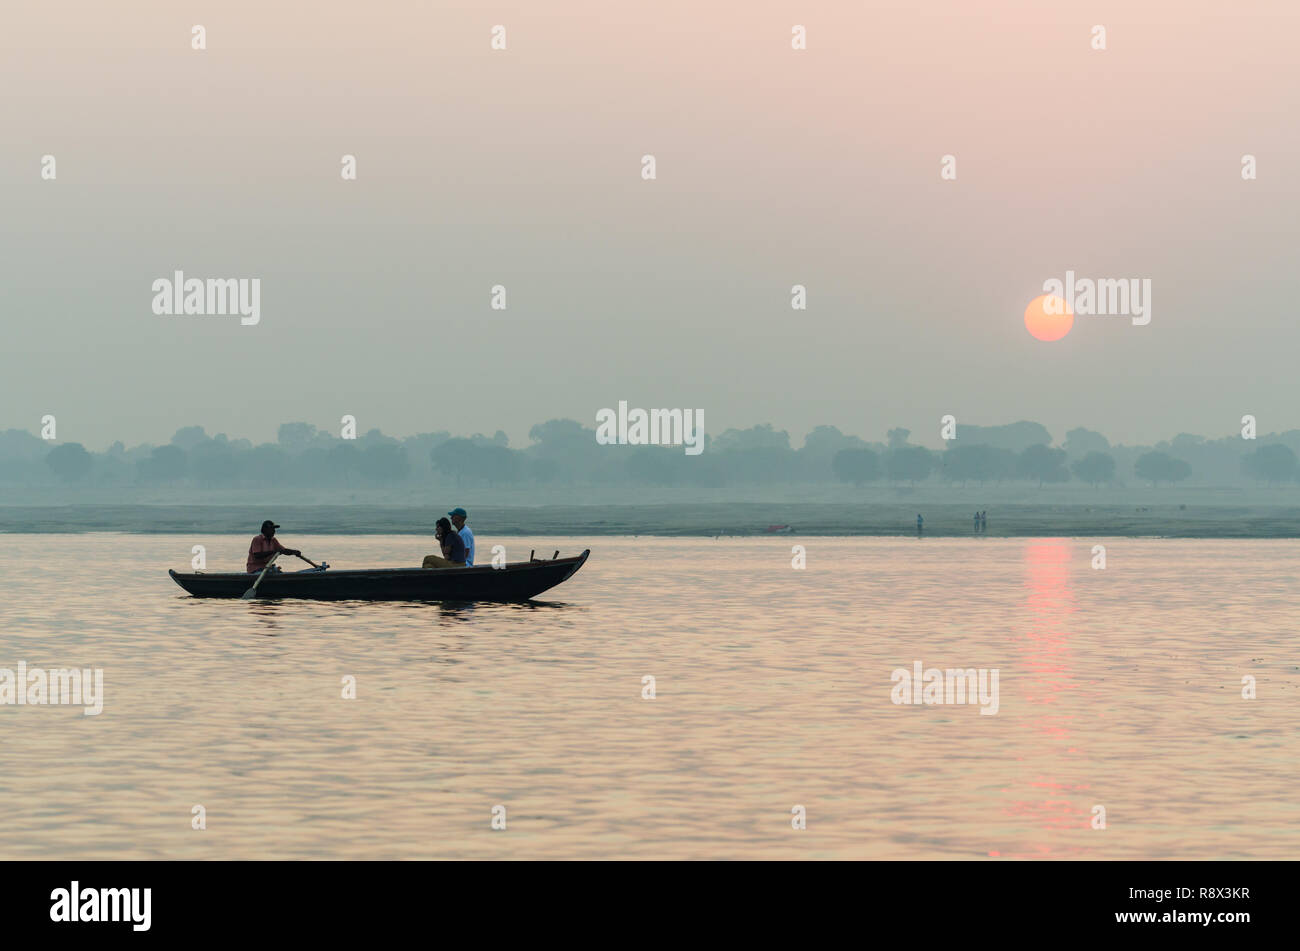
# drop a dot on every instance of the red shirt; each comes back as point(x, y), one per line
point(261, 544)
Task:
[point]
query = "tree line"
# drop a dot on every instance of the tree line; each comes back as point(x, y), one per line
point(983, 464)
point(565, 452)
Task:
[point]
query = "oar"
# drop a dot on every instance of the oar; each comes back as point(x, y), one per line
point(251, 593)
point(309, 561)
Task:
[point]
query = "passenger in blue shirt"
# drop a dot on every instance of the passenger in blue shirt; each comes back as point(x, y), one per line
point(458, 522)
point(458, 516)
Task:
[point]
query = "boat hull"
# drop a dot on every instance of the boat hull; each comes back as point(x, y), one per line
point(516, 582)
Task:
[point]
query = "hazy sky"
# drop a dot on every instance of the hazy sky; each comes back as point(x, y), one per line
point(523, 168)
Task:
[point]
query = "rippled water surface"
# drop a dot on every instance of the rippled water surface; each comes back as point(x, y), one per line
point(1119, 688)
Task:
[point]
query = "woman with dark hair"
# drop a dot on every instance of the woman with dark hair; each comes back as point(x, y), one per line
point(453, 548)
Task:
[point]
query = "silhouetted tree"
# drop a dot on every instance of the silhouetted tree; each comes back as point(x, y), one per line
point(1079, 442)
point(828, 440)
point(421, 445)
point(296, 436)
point(213, 463)
point(560, 436)
point(20, 444)
point(963, 463)
point(817, 457)
point(1042, 463)
point(858, 466)
point(1157, 467)
point(165, 464)
point(343, 462)
point(70, 461)
point(762, 436)
point(385, 463)
point(1272, 464)
point(910, 464)
point(455, 458)
point(264, 464)
point(898, 437)
point(1094, 468)
point(572, 448)
point(496, 465)
point(1014, 436)
point(543, 471)
point(187, 437)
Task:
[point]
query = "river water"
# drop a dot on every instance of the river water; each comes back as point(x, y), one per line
point(1118, 687)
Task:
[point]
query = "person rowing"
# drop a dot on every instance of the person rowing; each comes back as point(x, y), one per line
point(453, 547)
point(264, 546)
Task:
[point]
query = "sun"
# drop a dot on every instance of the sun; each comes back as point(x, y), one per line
point(1042, 323)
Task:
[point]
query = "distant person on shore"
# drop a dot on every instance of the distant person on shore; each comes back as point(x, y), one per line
point(984, 520)
point(264, 546)
point(452, 545)
point(458, 516)
point(977, 521)
point(919, 522)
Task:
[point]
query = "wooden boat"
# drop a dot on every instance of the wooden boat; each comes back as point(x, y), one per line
point(513, 582)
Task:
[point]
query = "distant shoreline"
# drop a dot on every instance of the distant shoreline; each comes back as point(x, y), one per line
point(742, 519)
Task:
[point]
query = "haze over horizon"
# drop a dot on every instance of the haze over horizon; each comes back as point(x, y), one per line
point(928, 437)
point(775, 167)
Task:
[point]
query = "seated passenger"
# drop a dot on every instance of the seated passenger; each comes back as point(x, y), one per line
point(453, 548)
point(458, 516)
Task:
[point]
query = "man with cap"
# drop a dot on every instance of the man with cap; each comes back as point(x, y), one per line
point(265, 545)
point(458, 516)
